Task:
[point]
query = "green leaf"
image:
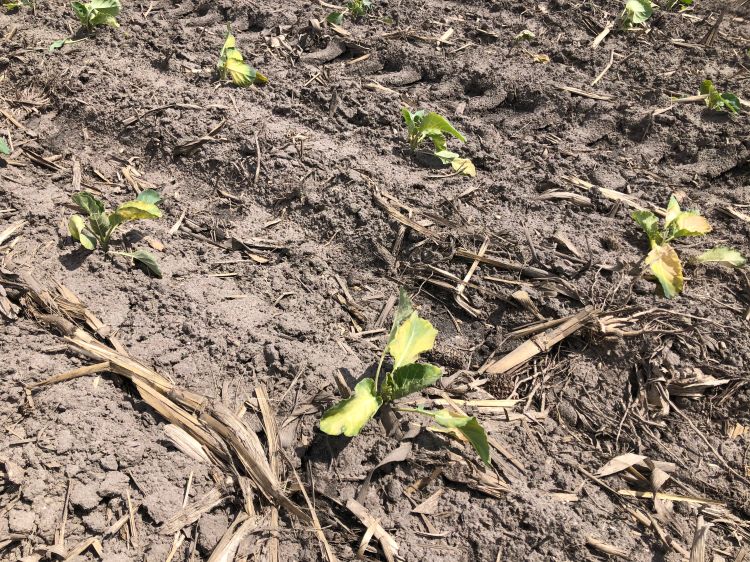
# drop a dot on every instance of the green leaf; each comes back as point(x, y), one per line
point(730, 102)
point(136, 210)
point(149, 196)
point(76, 228)
point(99, 224)
point(707, 88)
point(408, 380)
point(649, 222)
point(414, 336)
point(638, 11)
point(403, 311)
point(242, 74)
point(667, 268)
point(721, 255)
point(408, 119)
point(350, 416)
point(97, 12)
point(88, 203)
point(336, 18)
point(719, 101)
point(433, 123)
point(59, 44)
point(81, 11)
point(446, 156)
point(438, 141)
point(4, 148)
point(145, 258)
point(464, 166)
point(525, 35)
point(469, 428)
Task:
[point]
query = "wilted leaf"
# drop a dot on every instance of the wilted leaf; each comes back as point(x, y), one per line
point(409, 379)
point(403, 311)
point(58, 44)
point(145, 258)
point(433, 123)
point(666, 267)
point(620, 463)
point(4, 148)
point(350, 416)
point(690, 223)
point(149, 196)
point(723, 256)
point(464, 166)
point(99, 224)
point(414, 336)
point(469, 428)
point(446, 156)
point(135, 210)
point(76, 226)
point(88, 202)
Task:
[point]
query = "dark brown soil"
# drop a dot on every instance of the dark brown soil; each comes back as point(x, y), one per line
point(220, 323)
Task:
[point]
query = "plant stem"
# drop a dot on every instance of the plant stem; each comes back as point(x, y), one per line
point(380, 366)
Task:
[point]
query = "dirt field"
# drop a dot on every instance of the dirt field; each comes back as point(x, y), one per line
point(293, 213)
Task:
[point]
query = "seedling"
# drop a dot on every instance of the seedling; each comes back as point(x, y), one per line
point(231, 64)
point(16, 4)
point(101, 225)
point(726, 102)
point(525, 35)
point(635, 13)
point(682, 4)
point(60, 43)
point(354, 8)
point(422, 125)
point(4, 148)
point(409, 337)
point(663, 260)
point(97, 12)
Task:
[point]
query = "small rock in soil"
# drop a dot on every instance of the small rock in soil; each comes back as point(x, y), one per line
point(210, 530)
point(114, 484)
point(95, 522)
point(84, 496)
point(64, 441)
point(21, 521)
point(109, 463)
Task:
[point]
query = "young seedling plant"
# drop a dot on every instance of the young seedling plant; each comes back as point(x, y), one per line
point(100, 225)
point(716, 101)
point(663, 260)
point(422, 125)
point(97, 12)
point(409, 337)
point(355, 8)
point(232, 65)
point(4, 148)
point(635, 13)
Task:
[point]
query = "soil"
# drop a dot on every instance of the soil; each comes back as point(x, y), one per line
point(286, 253)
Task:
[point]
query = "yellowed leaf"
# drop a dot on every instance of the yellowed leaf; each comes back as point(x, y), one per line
point(666, 267)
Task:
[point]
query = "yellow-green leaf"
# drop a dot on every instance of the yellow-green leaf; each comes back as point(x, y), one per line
point(723, 256)
point(469, 428)
point(673, 211)
point(350, 416)
point(464, 166)
point(413, 337)
point(690, 223)
point(666, 267)
point(135, 210)
point(76, 226)
point(240, 73)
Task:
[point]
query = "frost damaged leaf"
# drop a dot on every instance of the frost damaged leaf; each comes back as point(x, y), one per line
point(413, 337)
point(349, 416)
point(136, 210)
point(464, 166)
point(721, 255)
point(409, 379)
point(403, 311)
point(469, 428)
point(673, 211)
point(666, 267)
point(233, 64)
point(146, 259)
point(76, 226)
point(690, 223)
